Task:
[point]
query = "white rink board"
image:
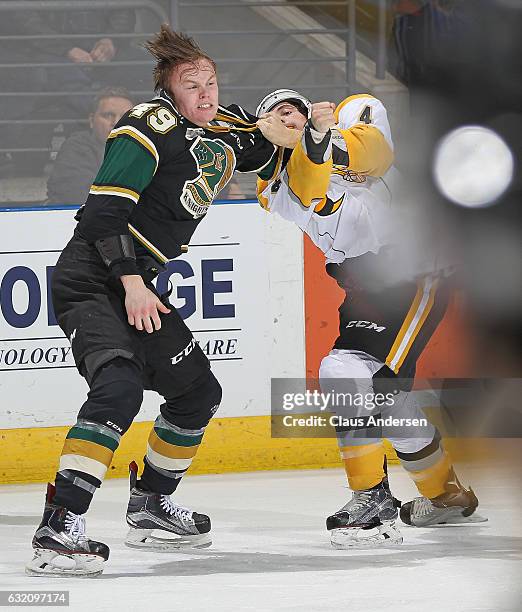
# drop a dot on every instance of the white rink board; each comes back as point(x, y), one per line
point(240, 290)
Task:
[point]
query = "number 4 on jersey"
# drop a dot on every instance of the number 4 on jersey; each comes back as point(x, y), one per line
point(366, 115)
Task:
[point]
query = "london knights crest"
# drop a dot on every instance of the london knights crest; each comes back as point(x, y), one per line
point(216, 163)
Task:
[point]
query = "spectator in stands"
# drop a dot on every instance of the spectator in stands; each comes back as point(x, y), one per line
point(83, 52)
point(232, 191)
point(82, 153)
point(86, 44)
point(423, 31)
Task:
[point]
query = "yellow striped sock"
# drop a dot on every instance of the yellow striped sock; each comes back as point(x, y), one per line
point(431, 481)
point(89, 448)
point(364, 465)
point(172, 448)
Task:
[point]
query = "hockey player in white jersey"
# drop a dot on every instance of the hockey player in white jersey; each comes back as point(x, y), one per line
point(335, 181)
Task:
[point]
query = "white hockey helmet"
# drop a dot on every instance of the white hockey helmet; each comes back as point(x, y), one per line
point(284, 95)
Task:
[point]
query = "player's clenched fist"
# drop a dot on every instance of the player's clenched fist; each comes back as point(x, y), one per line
point(323, 117)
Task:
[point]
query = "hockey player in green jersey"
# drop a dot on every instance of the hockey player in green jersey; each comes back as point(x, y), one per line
point(165, 162)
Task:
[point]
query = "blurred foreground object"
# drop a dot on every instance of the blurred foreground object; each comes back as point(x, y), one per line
point(460, 159)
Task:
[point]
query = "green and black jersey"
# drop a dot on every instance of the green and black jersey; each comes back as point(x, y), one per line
point(161, 172)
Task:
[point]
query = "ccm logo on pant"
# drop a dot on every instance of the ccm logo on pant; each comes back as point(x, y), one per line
point(367, 325)
point(186, 351)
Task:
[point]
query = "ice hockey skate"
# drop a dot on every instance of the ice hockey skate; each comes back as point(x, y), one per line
point(455, 506)
point(367, 520)
point(61, 547)
point(157, 523)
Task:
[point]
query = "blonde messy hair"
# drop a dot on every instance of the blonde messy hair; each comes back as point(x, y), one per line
point(170, 50)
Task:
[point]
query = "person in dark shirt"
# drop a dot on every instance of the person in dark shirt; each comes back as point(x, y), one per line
point(81, 42)
point(422, 32)
point(53, 61)
point(165, 162)
point(84, 53)
point(81, 155)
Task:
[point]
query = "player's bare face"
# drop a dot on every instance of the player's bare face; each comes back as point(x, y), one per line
point(107, 115)
point(290, 116)
point(195, 91)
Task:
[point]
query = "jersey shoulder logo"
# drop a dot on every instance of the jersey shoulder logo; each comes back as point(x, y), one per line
point(216, 162)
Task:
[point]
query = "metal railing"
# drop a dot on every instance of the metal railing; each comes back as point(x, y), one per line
point(81, 5)
point(56, 5)
point(374, 43)
point(348, 36)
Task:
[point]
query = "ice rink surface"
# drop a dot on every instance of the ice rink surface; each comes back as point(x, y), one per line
point(271, 550)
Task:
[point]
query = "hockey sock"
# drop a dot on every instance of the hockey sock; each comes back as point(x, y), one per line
point(75, 490)
point(429, 468)
point(87, 453)
point(363, 465)
point(170, 451)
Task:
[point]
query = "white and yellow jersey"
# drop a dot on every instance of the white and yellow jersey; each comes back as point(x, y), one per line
point(343, 204)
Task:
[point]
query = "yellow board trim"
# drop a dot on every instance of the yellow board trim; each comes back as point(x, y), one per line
point(233, 444)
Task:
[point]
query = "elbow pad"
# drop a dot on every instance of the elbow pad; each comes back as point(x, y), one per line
point(316, 144)
point(117, 253)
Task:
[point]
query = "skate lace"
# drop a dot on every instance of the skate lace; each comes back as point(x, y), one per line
point(181, 513)
point(75, 525)
point(358, 501)
point(423, 506)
